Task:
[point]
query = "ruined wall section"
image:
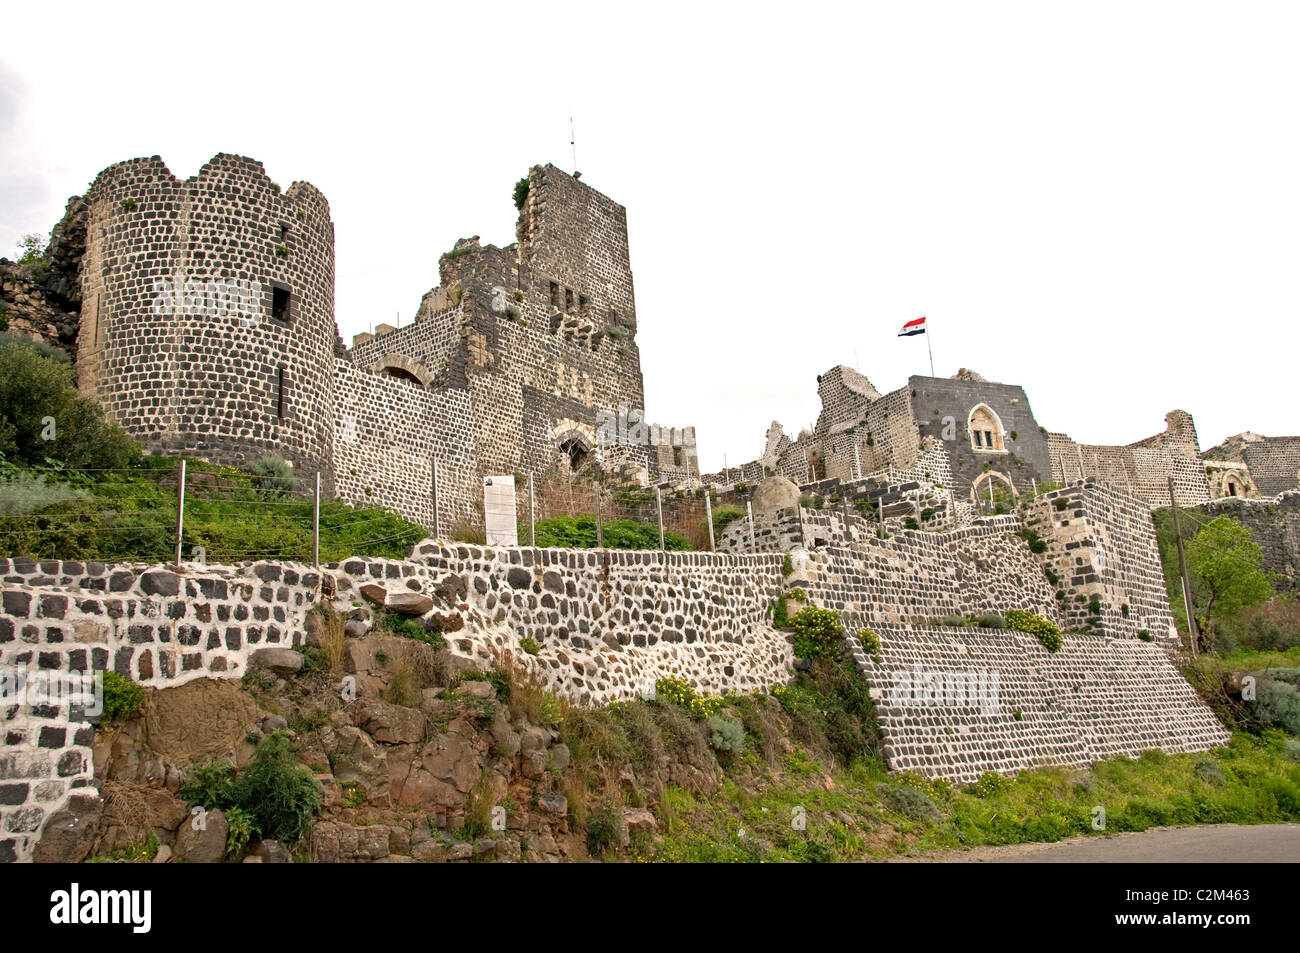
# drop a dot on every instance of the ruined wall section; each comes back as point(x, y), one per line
point(1142, 468)
point(42, 301)
point(1274, 464)
point(189, 369)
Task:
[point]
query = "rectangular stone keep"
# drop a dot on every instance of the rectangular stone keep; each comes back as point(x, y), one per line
point(499, 511)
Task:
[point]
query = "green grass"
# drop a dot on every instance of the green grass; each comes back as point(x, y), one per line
point(1046, 804)
point(132, 515)
point(1252, 659)
point(580, 532)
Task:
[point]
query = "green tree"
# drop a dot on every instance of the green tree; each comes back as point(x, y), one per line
point(42, 417)
point(32, 248)
point(1225, 561)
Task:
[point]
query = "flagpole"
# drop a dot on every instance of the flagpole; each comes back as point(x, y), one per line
point(927, 347)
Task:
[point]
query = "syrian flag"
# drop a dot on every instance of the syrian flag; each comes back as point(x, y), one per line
point(912, 327)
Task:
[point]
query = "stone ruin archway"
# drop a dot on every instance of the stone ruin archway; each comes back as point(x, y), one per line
point(576, 450)
point(979, 488)
point(404, 368)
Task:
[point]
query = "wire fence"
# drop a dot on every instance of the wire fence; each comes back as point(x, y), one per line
point(560, 510)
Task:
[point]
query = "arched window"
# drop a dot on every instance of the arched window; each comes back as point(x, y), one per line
point(985, 430)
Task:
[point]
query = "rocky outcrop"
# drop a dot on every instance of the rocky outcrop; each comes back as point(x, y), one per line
point(42, 300)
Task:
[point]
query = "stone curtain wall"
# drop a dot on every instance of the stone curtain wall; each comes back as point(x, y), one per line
point(203, 383)
point(387, 432)
point(1095, 698)
point(1102, 545)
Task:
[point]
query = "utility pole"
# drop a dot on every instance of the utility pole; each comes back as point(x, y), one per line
point(1182, 571)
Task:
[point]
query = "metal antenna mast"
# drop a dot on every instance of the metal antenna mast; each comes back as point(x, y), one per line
point(573, 144)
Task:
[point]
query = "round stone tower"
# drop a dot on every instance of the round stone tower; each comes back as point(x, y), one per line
point(208, 311)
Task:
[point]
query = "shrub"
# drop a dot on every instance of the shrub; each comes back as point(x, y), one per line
point(242, 827)
point(404, 689)
point(122, 697)
point(529, 645)
point(521, 193)
point(1210, 772)
point(817, 633)
point(603, 829)
point(870, 641)
point(787, 565)
point(780, 610)
point(911, 523)
point(211, 785)
point(23, 493)
point(332, 638)
point(990, 785)
point(991, 620)
point(678, 691)
point(277, 791)
point(1278, 704)
point(1036, 543)
point(725, 734)
point(36, 386)
point(274, 475)
point(1047, 633)
point(910, 802)
point(797, 594)
point(409, 628)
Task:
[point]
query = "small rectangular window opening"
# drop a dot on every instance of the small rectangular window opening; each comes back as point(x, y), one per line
point(280, 304)
point(582, 304)
point(568, 300)
point(988, 438)
point(281, 388)
point(979, 439)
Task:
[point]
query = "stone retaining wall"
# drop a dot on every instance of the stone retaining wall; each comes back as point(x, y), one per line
point(1096, 698)
point(607, 625)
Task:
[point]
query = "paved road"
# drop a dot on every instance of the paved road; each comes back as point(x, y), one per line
point(1211, 843)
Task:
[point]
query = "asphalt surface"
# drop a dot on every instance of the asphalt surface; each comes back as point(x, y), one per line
point(1211, 843)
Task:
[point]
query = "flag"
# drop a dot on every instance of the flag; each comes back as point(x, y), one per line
point(912, 327)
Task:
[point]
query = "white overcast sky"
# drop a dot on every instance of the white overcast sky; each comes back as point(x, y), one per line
point(1098, 201)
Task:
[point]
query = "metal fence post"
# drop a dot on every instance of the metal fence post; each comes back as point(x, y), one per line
point(532, 512)
point(437, 534)
point(708, 518)
point(315, 524)
point(180, 512)
point(749, 508)
point(600, 535)
point(659, 509)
